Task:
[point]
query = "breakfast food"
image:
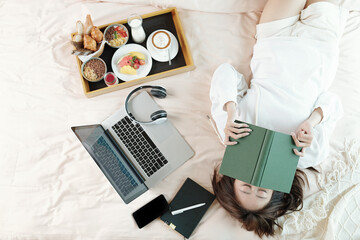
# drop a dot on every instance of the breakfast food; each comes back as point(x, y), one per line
point(94, 69)
point(116, 35)
point(88, 24)
point(80, 27)
point(89, 43)
point(88, 37)
point(96, 34)
point(132, 61)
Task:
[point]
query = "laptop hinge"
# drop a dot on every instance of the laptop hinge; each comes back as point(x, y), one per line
point(140, 178)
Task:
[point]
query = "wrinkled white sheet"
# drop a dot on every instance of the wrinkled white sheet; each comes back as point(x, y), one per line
point(50, 188)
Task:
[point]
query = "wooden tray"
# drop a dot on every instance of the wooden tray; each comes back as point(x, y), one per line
point(165, 19)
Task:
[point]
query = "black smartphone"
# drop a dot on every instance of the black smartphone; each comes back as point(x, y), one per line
point(150, 211)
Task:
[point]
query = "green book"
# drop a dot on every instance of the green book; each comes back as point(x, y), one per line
point(265, 158)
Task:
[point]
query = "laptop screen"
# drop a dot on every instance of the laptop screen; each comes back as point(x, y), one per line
point(111, 161)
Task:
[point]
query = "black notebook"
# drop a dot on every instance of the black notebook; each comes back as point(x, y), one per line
point(190, 194)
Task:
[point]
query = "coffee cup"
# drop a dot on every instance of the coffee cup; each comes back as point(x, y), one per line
point(161, 41)
point(162, 45)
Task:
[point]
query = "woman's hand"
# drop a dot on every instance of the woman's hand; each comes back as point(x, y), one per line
point(303, 135)
point(232, 129)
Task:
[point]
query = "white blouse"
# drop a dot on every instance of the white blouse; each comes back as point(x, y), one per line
point(291, 78)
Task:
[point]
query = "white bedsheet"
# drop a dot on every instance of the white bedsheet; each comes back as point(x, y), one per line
point(50, 188)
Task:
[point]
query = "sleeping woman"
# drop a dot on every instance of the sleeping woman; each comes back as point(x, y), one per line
point(294, 63)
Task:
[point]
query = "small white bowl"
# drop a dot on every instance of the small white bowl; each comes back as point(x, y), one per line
point(114, 25)
point(94, 54)
point(82, 70)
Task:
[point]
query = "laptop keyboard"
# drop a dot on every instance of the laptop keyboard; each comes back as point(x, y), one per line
point(140, 145)
point(119, 173)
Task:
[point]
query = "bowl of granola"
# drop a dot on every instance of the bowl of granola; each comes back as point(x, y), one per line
point(116, 35)
point(94, 69)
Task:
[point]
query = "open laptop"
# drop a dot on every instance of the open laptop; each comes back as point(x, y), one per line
point(133, 156)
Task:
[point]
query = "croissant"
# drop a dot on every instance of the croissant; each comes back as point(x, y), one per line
point(88, 24)
point(89, 43)
point(96, 34)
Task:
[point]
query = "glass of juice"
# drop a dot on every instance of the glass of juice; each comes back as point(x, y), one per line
point(111, 79)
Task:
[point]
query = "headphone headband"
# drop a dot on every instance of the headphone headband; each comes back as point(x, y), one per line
point(156, 91)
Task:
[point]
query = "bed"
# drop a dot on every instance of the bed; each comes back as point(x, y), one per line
point(50, 187)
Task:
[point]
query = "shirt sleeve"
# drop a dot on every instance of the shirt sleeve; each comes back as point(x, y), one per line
point(226, 85)
point(332, 109)
point(319, 149)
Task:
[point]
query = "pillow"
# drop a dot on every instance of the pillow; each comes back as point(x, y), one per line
point(215, 6)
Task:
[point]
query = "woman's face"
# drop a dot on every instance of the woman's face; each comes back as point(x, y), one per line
point(250, 197)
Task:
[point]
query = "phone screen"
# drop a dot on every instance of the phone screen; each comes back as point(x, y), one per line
point(150, 211)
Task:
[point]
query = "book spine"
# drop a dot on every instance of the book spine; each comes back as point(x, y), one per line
point(262, 158)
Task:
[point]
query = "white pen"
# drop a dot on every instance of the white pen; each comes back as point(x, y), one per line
point(181, 210)
point(216, 131)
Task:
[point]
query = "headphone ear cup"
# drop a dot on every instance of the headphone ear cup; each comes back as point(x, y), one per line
point(158, 92)
point(159, 116)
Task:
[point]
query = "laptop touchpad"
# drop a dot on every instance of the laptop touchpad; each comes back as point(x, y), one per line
point(160, 132)
point(141, 107)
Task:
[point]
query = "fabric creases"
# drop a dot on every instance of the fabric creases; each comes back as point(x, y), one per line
point(160, 3)
point(345, 164)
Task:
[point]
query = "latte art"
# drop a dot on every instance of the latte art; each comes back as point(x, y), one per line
point(161, 40)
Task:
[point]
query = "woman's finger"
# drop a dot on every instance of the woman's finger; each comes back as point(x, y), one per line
point(228, 142)
point(305, 140)
point(300, 154)
point(298, 143)
point(304, 137)
point(240, 135)
point(233, 135)
point(239, 130)
point(238, 125)
point(303, 143)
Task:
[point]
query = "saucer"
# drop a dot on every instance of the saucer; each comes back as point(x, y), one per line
point(163, 56)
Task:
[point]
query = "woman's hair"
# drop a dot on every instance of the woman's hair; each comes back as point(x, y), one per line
point(262, 221)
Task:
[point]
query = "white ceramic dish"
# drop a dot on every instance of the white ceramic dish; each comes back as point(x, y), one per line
point(162, 56)
point(143, 71)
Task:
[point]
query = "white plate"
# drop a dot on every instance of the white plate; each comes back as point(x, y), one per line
point(143, 71)
point(163, 55)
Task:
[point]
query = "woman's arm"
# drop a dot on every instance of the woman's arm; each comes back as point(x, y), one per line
point(303, 135)
point(227, 88)
point(327, 110)
point(315, 117)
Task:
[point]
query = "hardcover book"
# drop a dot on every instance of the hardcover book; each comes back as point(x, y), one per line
point(190, 194)
point(264, 158)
